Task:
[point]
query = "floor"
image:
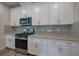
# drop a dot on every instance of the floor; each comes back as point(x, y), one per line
point(11, 52)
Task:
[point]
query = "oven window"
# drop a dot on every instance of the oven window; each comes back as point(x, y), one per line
point(21, 44)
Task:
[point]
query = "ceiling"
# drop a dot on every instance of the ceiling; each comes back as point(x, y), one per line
point(12, 4)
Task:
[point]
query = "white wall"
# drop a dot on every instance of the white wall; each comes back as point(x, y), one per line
point(4, 20)
point(75, 26)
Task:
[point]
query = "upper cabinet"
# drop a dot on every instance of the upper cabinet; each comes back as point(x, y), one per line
point(76, 12)
point(15, 15)
point(65, 13)
point(18, 12)
point(53, 13)
point(60, 13)
point(40, 13)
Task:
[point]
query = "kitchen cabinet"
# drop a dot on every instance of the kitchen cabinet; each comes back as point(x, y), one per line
point(65, 13)
point(10, 41)
point(37, 47)
point(50, 47)
point(66, 51)
point(42, 47)
point(60, 13)
point(18, 12)
point(75, 51)
point(53, 50)
point(76, 12)
point(15, 16)
point(40, 14)
point(53, 13)
point(32, 46)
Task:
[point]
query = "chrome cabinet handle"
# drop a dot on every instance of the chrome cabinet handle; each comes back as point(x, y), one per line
point(60, 49)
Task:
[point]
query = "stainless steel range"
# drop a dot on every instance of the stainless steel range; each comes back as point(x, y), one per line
point(21, 39)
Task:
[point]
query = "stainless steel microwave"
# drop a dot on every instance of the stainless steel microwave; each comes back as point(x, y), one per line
point(24, 21)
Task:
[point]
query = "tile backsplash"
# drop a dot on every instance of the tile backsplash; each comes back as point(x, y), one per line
point(47, 28)
point(53, 28)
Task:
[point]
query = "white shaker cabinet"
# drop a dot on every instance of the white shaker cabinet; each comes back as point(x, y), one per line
point(75, 51)
point(53, 51)
point(65, 13)
point(53, 12)
point(60, 13)
point(18, 12)
point(26, 10)
point(42, 47)
point(76, 12)
point(15, 16)
point(32, 46)
point(37, 46)
point(66, 51)
point(40, 14)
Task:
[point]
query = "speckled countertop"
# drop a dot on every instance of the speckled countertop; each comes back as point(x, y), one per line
point(55, 36)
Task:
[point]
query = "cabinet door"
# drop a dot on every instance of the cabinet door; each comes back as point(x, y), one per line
point(76, 12)
point(53, 51)
point(75, 51)
point(42, 47)
point(40, 13)
point(15, 16)
point(32, 46)
point(66, 51)
point(42, 50)
point(65, 13)
point(53, 13)
point(26, 9)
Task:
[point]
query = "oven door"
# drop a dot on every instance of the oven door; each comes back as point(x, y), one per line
point(21, 44)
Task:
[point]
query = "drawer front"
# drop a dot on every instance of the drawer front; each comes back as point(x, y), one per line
point(54, 42)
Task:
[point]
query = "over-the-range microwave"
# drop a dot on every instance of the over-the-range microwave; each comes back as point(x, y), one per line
point(26, 21)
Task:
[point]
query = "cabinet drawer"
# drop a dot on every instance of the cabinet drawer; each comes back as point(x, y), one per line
point(70, 44)
point(54, 42)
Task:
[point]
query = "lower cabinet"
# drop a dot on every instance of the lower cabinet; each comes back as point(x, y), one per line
point(32, 46)
point(75, 51)
point(53, 51)
point(42, 50)
point(43, 47)
point(66, 51)
point(36, 47)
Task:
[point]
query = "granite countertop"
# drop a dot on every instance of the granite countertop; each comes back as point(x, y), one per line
point(55, 36)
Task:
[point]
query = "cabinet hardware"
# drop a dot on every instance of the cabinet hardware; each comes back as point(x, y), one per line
point(59, 49)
